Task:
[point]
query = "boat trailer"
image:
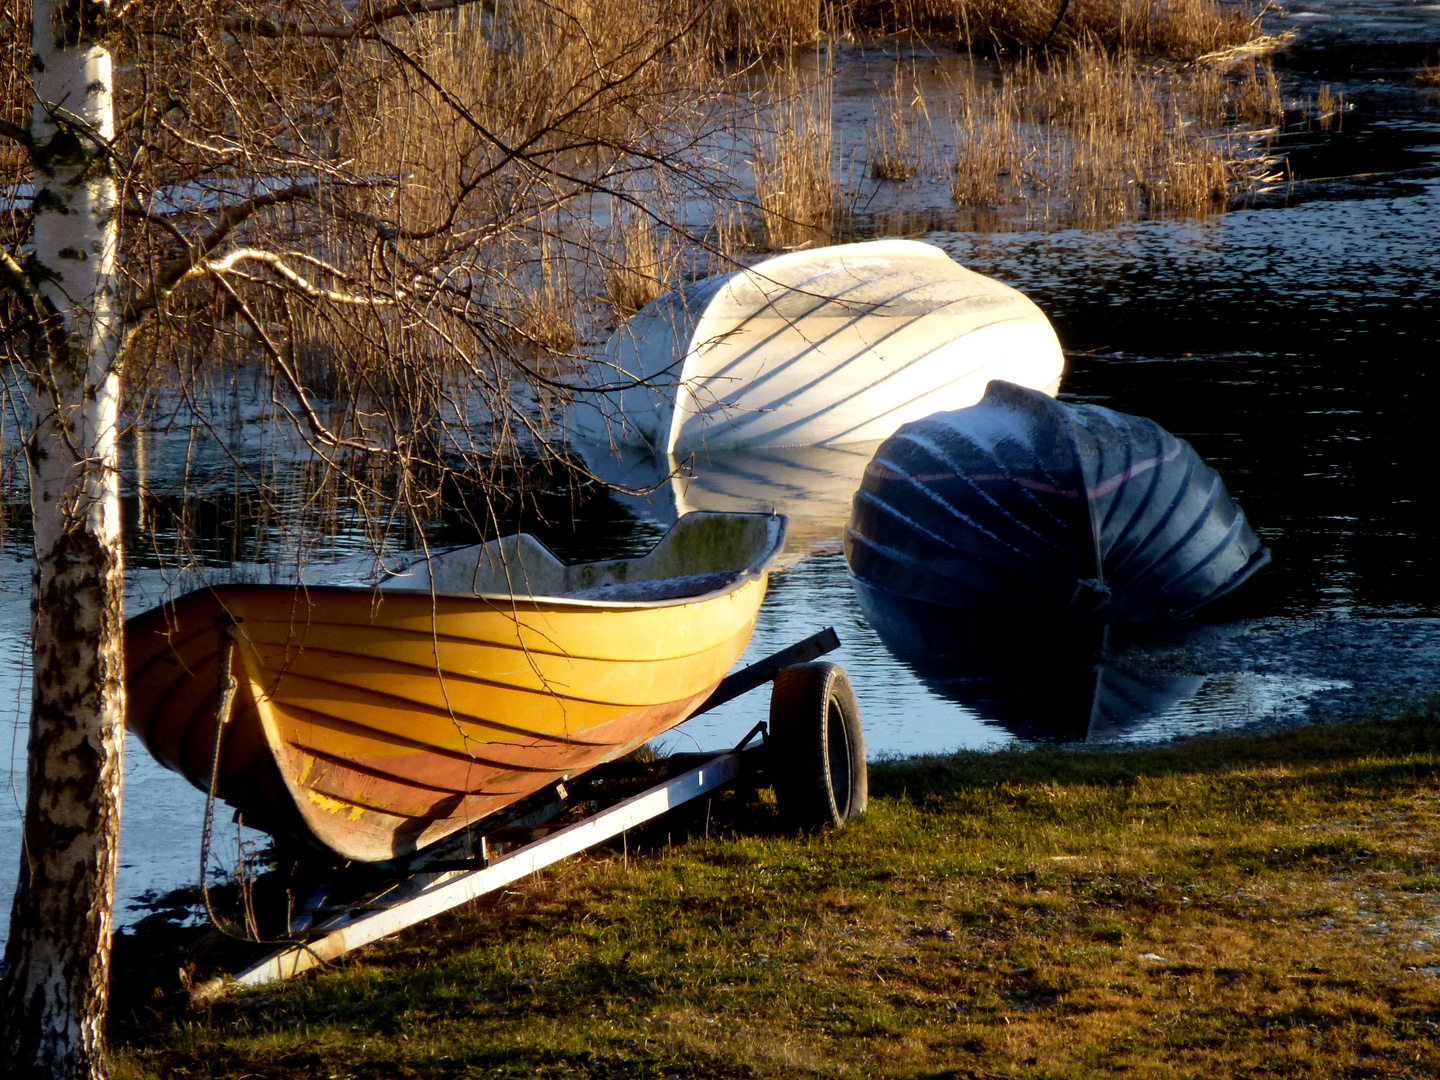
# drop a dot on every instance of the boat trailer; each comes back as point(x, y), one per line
point(813, 723)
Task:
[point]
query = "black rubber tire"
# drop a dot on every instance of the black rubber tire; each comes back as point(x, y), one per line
point(816, 748)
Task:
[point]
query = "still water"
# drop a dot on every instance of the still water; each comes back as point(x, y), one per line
point(1294, 343)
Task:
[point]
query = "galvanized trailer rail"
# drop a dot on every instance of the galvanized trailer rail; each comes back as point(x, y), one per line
point(432, 893)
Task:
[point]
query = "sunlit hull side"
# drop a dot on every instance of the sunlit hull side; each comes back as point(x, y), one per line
point(1025, 507)
point(812, 348)
point(378, 721)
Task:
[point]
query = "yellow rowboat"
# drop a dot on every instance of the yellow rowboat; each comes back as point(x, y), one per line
point(377, 721)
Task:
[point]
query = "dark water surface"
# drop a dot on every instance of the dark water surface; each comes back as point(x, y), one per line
point(1294, 343)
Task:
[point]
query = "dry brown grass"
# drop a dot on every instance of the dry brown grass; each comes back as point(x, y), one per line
point(1128, 147)
point(576, 83)
point(800, 203)
point(545, 305)
point(897, 140)
point(730, 237)
point(1430, 75)
point(1329, 108)
point(1257, 98)
point(741, 29)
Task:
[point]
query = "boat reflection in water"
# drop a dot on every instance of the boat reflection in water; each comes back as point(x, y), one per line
point(1055, 685)
point(812, 485)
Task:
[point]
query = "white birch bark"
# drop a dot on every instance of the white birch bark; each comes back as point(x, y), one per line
point(57, 960)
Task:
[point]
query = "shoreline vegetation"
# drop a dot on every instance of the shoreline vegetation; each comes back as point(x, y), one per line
point(1078, 113)
point(1239, 906)
point(702, 133)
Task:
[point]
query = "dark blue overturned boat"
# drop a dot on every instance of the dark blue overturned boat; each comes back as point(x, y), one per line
point(1023, 507)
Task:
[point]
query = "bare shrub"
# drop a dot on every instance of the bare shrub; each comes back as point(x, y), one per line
point(798, 199)
point(399, 228)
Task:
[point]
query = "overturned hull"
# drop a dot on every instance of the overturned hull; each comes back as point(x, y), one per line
point(811, 348)
point(1023, 506)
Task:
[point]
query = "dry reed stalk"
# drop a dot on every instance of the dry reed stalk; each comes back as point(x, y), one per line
point(991, 151)
point(743, 29)
point(15, 86)
point(896, 141)
point(1329, 107)
point(1256, 48)
point(1114, 131)
point(576, 83)
point(545, 321)
point(1206, 93)
point(1181, 29)
point(731, 236)
point(642, 266)
point(1429, 76)
point(1257, 100)
point(1189, 178)
point(1102, 134)
point(799, 201)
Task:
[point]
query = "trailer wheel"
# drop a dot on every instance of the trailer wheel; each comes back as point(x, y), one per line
point(817, 750)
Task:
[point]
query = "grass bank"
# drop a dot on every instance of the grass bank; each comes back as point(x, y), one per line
point(1232, 906)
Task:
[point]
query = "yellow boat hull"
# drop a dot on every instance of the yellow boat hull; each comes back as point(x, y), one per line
point(379, 721)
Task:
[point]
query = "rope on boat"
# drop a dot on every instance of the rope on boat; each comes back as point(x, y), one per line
point(227, 688)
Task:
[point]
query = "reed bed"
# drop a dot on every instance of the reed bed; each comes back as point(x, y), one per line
point(1173, 28)
point(999, 160)
point(546, 321)
point(1097, 137)
point(1256, 100)
point(744, 29)
point(15, 89)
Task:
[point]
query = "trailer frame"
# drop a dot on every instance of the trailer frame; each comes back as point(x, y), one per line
point(441, 884)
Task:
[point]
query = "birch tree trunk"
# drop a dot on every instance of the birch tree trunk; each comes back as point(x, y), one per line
point(57, 961)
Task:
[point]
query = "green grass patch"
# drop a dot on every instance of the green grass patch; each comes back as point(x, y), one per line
point(1240, 907)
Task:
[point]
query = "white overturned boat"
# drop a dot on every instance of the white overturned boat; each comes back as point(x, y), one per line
point(812, 348)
